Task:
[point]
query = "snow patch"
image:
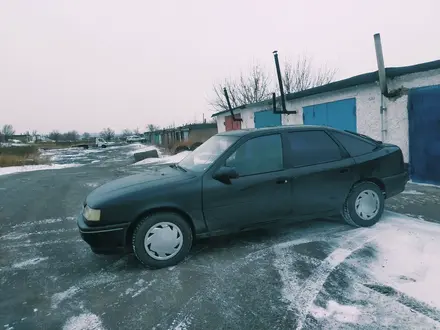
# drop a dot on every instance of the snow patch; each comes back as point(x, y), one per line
point(138, 147)
point(29, 262)
point(38, 222)
point(409, 250)
point(31, 168)
point(341, 313)
point(412, 192)
point(92, 184)
point(57, 298)
point(93, 281)
point(85, 321)
point(14, 236)
point(137, 293)
point(425, 184)
point(183, 325)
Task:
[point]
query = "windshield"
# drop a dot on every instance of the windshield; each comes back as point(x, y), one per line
point(201, 158)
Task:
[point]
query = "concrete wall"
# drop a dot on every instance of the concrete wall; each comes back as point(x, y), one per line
point(368, 98)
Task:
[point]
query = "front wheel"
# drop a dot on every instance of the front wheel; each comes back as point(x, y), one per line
point(162, 240)
point(364, 205)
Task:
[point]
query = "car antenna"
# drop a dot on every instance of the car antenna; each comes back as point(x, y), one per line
point(280, 83)
point(229, 106)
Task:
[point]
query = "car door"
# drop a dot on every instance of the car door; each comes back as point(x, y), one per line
point(259, 194)
point(321, 172)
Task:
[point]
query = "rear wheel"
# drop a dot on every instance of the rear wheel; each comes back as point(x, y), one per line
point(162, 240)
point(364, 205)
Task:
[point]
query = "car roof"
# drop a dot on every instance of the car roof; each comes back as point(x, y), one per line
point(277, 129)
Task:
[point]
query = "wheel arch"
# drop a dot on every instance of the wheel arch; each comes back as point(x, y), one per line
point(378, 182)
point(155, 210)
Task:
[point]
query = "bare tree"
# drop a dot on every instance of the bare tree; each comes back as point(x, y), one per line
point(107, 134)
point(126, 132)
point(300, 75)
point(219, 100)
point(70, 136)
point(253, 86)
point(8, 131)
point(152, 128)
point(85, 136)
point(136, 131)
point(54, 135)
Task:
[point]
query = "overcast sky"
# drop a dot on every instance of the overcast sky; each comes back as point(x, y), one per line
point(88, 64)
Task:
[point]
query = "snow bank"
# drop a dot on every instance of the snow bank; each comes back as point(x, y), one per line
point(165, 159)
point(408, 257)
point(399, 252)
point(139, 147)
point(30, 168)
point(85, 321)
point(425, 184)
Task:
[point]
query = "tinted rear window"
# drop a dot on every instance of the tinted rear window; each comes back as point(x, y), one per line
point(354, 145)
point(312, 147)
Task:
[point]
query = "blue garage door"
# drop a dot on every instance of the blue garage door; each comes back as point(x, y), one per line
point(424, 134)
point(339, 114)
point(266, 118)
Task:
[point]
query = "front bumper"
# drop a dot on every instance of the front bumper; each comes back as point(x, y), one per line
point(107, 239)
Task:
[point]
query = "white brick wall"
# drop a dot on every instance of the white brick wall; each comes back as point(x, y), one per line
point(367, 108)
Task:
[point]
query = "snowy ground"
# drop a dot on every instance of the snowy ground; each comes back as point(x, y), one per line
point(320, 275)
point(74, 157)
point(315, 275)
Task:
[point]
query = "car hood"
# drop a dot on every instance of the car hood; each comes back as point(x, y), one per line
point(120, 190)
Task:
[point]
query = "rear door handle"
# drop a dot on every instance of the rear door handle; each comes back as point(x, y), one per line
point(344, 170)
point(282, 180)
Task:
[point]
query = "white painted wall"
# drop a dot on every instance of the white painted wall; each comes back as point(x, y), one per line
point(367, 108)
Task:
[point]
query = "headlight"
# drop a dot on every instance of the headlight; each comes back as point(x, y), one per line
point(91, 214)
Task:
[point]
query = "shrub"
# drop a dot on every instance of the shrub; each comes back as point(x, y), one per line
point(18, 156)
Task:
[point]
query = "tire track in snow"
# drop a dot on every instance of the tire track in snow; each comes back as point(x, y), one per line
point(312, 234)
point(301, 298)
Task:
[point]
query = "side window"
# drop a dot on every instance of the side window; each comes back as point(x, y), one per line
point(259, 155)
point(355, 146)
point(312, 147)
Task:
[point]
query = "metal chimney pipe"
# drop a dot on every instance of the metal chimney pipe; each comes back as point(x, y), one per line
point(380, 64)
point(280, 81)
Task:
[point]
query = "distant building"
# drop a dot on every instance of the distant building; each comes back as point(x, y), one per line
point(24, 138)
point(186, 134)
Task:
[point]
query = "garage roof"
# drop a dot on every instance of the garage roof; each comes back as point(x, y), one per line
point(366, 78)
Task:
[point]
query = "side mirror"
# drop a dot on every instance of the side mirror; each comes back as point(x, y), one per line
point(225, 174)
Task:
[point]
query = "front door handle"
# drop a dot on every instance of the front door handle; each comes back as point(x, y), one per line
point(282, 180)
point(344, 170)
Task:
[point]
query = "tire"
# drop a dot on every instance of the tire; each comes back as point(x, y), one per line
point(168, 224)
point(372, 195)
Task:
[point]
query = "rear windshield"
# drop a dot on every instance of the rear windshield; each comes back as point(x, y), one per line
point(366, 137)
